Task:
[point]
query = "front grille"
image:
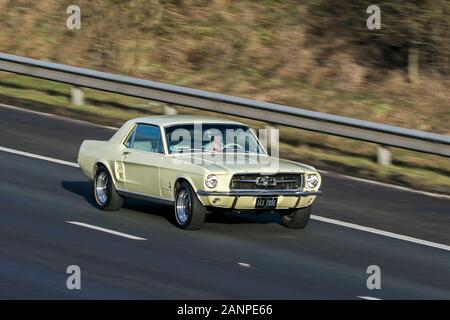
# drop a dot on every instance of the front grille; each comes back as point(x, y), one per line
point(255, 181)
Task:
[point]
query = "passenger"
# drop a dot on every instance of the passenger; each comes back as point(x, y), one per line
point(215, 145)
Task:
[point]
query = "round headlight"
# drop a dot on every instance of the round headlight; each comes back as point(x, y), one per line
point(312, 181)
point(211, 181)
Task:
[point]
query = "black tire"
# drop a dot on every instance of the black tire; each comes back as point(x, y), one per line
point(195, 212)
point(113, 200)
point(297, 219)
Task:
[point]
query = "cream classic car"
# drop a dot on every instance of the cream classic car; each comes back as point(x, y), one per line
point(197, 165)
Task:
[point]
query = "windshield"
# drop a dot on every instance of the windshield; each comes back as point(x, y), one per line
point(212, 137)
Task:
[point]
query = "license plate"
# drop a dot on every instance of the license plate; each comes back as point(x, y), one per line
point(266, 203)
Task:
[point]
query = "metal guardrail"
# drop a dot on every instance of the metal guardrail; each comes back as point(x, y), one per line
point(382, 134)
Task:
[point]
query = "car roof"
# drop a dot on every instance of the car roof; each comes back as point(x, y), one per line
point(181, 119)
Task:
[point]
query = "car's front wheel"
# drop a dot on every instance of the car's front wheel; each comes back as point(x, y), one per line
point(297, 219)
point(189, 211)
point(105, 193)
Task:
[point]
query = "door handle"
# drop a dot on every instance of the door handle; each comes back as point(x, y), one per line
point(125, 153)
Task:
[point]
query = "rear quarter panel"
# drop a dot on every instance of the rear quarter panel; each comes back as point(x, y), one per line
point(92, 152)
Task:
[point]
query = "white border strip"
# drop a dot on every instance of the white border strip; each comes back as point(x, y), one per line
point(381, 232)
point(120, 234)
point(319, 218)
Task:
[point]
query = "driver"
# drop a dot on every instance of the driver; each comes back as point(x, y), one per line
point(215, 145)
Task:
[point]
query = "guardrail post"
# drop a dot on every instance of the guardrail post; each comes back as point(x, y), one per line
point(76, 96)
point(384, 156)
point(169, 110)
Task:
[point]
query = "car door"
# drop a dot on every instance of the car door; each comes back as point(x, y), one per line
point(141, 159)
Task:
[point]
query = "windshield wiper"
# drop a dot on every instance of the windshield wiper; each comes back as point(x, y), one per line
point(181, 150)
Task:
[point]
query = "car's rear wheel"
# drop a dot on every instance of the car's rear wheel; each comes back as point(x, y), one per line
point(189, 211)
point(297, 219)
point(105, 193)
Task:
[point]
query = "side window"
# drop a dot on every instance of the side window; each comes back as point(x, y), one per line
point(129, 140)
point(148, 138)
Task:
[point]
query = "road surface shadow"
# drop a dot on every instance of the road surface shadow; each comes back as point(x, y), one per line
point(84, 189)
point(81, 188)
point(230, 217)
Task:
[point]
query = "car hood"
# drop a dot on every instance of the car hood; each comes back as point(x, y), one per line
point(246, 163)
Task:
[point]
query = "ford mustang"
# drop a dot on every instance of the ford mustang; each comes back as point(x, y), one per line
point(198, 165)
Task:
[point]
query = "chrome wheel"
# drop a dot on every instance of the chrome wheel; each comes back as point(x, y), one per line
point(183, 207)
point(101, 188)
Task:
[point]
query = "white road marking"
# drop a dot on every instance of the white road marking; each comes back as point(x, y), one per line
point(388, 185)
point(36, 156)
point(51, 115)
point(244, 265)
point(368, 298)
point(381, 232)
point(319, 218)
point(121, 234)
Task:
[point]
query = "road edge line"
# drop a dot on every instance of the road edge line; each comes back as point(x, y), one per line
point(381, 232)
point(36, 156)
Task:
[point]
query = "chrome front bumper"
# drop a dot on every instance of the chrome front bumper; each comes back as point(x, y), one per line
point(259, 193)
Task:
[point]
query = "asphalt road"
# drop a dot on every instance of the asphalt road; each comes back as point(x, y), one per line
point(232, 257)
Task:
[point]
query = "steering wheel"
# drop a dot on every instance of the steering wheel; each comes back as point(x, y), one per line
point(230, 145)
